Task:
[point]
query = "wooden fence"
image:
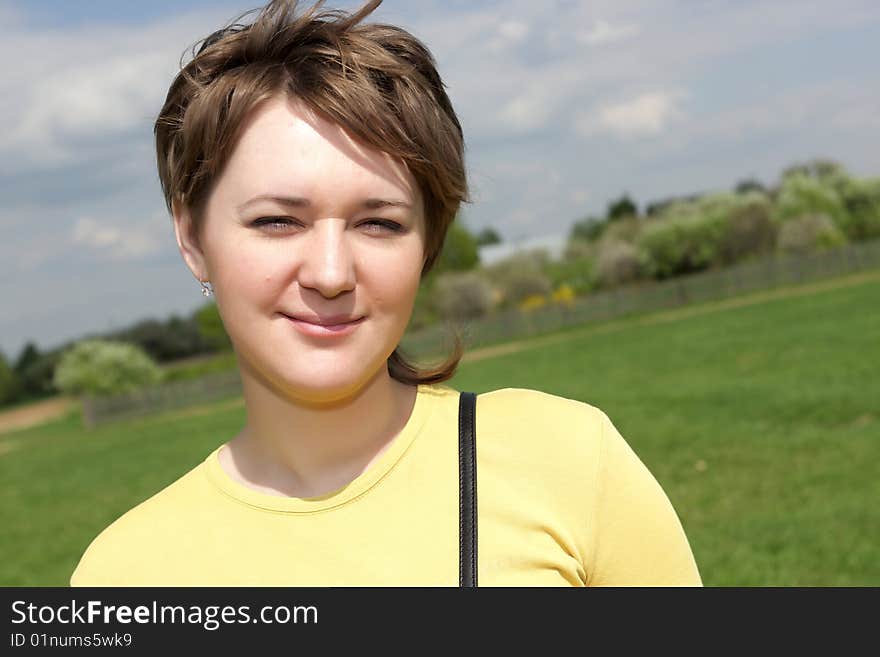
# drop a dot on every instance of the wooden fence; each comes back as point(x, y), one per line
point(764, 274)
point(163, 397)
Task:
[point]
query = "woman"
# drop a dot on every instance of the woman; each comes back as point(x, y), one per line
point(312, 165)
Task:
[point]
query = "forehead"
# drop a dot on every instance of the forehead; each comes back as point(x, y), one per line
point(284, 146)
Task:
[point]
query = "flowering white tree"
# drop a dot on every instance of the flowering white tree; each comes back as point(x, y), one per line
point(101, 367)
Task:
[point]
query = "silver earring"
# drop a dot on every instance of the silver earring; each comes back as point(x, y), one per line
point(207, 288)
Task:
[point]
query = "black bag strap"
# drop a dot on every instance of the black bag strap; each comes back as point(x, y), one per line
point(467, 489)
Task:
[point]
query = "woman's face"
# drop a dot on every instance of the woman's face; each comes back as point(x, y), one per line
point(306, 222)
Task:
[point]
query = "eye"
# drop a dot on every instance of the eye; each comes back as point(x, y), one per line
point(274, 224)
point(381, 225)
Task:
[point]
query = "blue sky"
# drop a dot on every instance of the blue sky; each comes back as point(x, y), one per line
point(564, 104)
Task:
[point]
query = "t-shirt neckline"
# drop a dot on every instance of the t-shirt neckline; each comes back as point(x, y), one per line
point(424, 404)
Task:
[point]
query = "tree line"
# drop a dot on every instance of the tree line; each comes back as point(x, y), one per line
point(814, 205)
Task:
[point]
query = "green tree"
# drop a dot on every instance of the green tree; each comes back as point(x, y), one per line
point(810, 232)
point(425, 310)
point(165, 341)
point(488, 236)
point(622, 208)
point(822, 169)
point(103, 367)
point(750, 185)
point(750, 231)
point(623, 230)
point(682, 243)
point(29, 355)
point(617, 263)
point(587, 229)
point(210, 327)
point(861, 197)
point(802, 195)
point(519, 276)
point(459, 250)
point(8, 383)
point(795, 170)
point(463, 295)
point(31, 372)
point(36, 378)
point(661, 206)
point(575, 270)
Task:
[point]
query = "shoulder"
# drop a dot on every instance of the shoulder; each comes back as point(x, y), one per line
point(533, 399)
point(521, 405)
point(142, 530)
point(542, 422)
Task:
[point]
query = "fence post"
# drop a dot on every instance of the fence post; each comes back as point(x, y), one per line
point(854, 254)
point(88, 411)
point(682, 292)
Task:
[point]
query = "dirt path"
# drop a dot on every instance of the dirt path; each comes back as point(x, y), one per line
point(36, 413)
point(666, 316)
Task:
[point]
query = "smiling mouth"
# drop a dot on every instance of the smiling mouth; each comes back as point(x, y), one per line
point(328, 320)
point(321, 330)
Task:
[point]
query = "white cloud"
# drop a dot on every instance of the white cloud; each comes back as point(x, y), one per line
point(579, 195)
point(72, 90)
point(603, 33)
point(120, 243)
point(80, 101)
point(822, 107)
point(526, 112)
point(91, 233)
point(513, 30)
point(862, 113)
point(647, 114)
point(508, 34)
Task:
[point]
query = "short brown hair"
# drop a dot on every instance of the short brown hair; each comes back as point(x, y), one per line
point(377, 81)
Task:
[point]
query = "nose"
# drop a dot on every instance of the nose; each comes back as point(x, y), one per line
point(327, 259)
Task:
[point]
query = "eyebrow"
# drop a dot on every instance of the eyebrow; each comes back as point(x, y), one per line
point(301, 202)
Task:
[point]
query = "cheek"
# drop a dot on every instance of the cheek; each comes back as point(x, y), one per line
point(248, 276)
point(394, 283)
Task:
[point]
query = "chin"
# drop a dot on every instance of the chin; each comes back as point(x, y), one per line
point(323, 391)
point(320, 380)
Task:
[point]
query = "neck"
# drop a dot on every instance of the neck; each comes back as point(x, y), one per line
point(307, 449)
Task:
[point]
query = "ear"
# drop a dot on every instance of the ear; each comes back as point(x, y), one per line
point(187, 241)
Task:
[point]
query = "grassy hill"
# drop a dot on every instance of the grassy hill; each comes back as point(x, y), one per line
point(760, 419)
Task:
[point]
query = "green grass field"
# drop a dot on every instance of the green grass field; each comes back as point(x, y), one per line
point(762, 423)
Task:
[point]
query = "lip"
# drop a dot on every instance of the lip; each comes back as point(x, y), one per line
point(324, 320)
point(325, 328)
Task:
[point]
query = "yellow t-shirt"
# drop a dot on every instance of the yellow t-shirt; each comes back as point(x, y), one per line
point(562, 501)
